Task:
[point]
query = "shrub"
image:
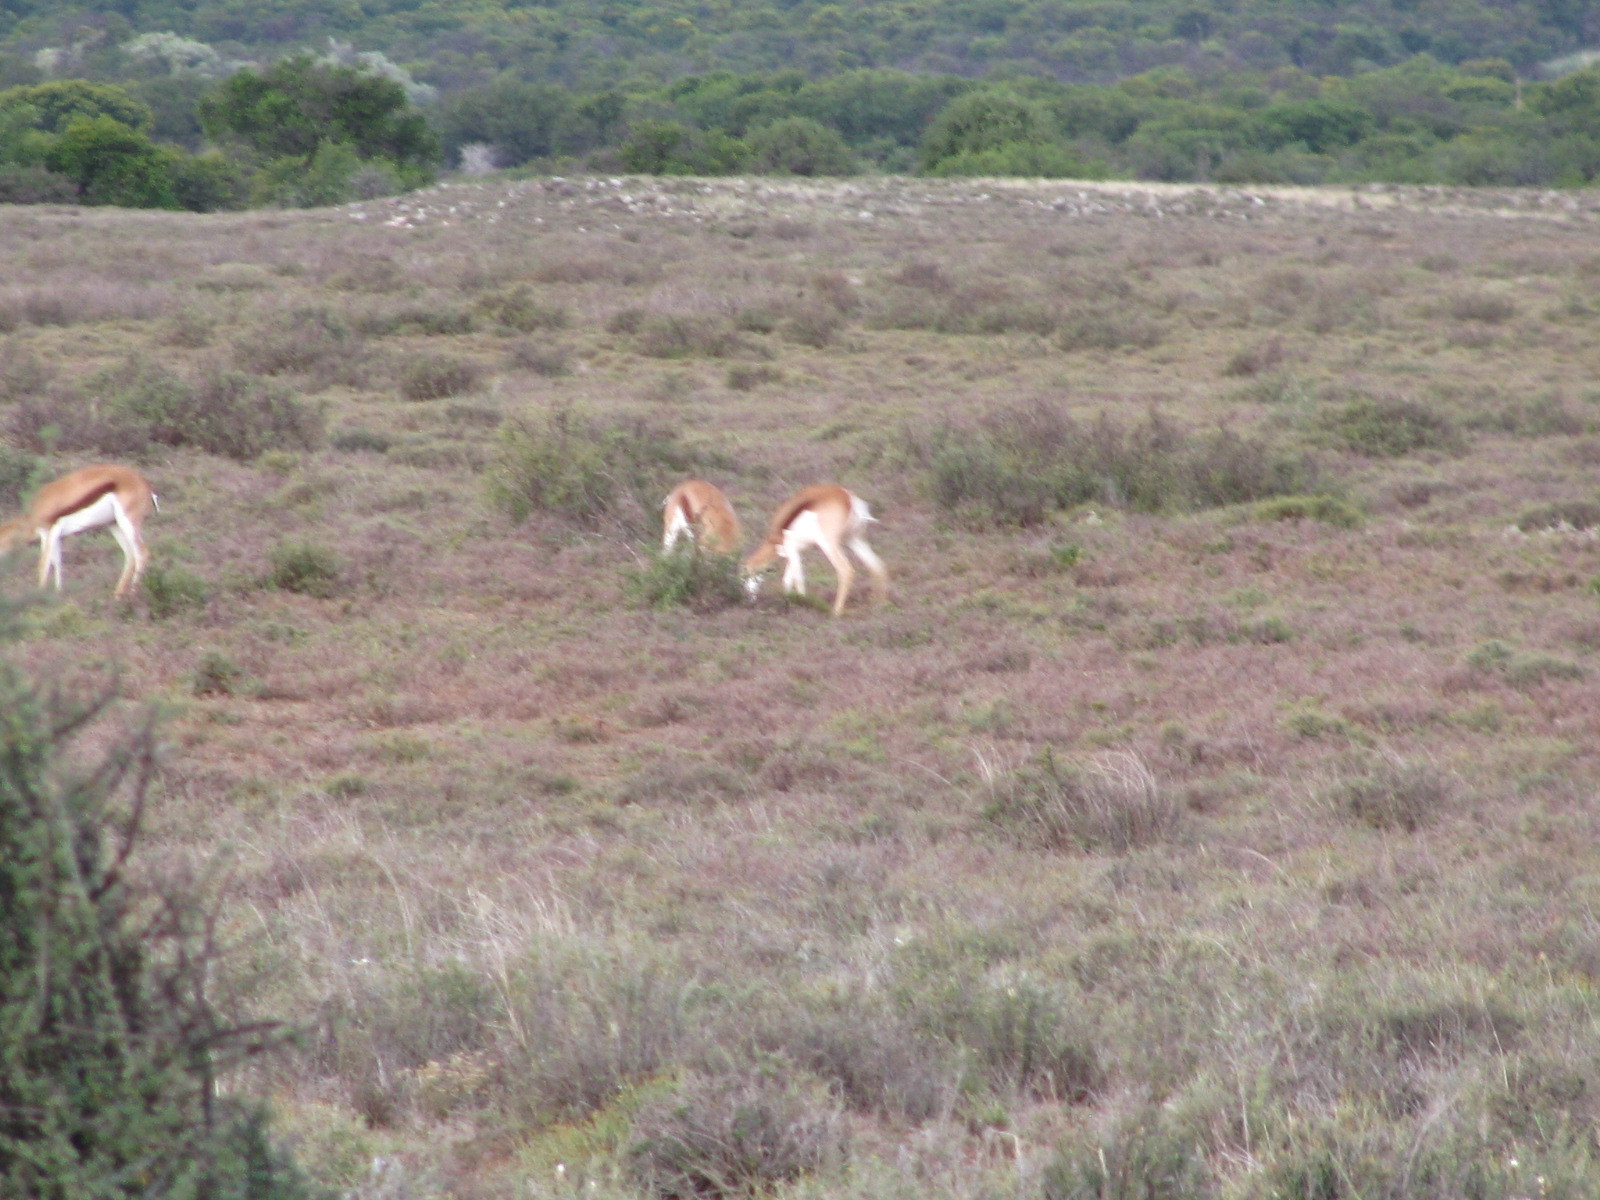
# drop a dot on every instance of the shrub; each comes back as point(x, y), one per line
point(1490, 309)
point(689, 577)
point(359, 440)
point(301, 341)
point(542, 358)
point(1388, 427)
point(170, 590)
point(745, 378)
point(110, 1041)
point(223, 412)
point(1394, 795)
point(1108, 328)
point(305, 568)
point(1330, 510)
point(665, 335)
point(1144, 1156)
point(36, 185)
point(519, 309)
point(1017, 1035)
point(585, 470)
point(1113, 804)
point(216, 675)
point(742, 1133)
point(19, 475)
point(1569, 514)
point(437, 376)
point(800, 146)
point(1016, 465)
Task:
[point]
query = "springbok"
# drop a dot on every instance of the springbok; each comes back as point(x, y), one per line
point(105, 494)
point(830, 518)
point(699, 509)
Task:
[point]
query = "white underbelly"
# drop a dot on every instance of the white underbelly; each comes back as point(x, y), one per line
point(102, 512)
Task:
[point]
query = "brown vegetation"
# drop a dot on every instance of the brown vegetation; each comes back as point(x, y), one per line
point(1211, 814)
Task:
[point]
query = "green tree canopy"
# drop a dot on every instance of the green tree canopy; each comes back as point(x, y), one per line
point(51, 107)
point(112, 164)
point(985, 120)
point(296, 104)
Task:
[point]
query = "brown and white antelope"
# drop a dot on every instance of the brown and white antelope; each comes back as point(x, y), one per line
point(699, 509)
point(105, 494)
point(830, 518)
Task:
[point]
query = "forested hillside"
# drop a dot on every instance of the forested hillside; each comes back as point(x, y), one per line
point(211, 106)
point(590, 43)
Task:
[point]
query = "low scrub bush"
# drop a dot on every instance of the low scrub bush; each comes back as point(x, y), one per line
point(745, 378)
point(548, 359)
point(1570, 514)
point(357, 440)
point(438, 376)
point(737, 1134)
point(1394, 794)
point(216, 675)
point(520, 310)
point(1115, 804)
point(666, 335)
point(303, 341)
point(435, 320)
point(127, 408)
point(585, 470)
point(1390, 426)
point(1330, 510)
point(20, 474)
point(304, 568)
point(689, 577)
point(170, 590)
point(1146, 1155)
point(1014, 467)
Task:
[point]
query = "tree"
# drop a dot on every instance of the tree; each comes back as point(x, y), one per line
point(112, 164)
point(53, 106)
point(110, 1045)
point(984, 120)
point(297, 104)
point(800, 146)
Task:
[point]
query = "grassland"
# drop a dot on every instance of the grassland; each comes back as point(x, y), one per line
point(1226, 838)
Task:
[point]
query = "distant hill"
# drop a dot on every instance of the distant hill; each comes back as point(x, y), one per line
point(593, 43)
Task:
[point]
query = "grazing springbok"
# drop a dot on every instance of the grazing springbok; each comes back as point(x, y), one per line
point(830, 518)
point(699, 509)
point(105, 494)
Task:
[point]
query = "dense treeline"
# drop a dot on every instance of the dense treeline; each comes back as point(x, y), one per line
point(161, 121)
point(1418, 122)
point(588, 45)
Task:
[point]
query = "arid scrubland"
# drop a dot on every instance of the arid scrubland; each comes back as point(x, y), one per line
point(1211, 814)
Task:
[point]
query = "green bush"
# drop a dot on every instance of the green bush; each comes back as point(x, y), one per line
point(170, 590)
point(1330, 510)
point(437, 376)
point(585, 470)
point(1389, 426)
point(519, 309)
point(1395, 795)
point(110, 1046)
point(223, 412)
point(19, 475)
point(305, 568)
point(689, 577)
point(1015, 466)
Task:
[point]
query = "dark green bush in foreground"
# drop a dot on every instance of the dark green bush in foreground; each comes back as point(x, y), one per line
point(111, 1049)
